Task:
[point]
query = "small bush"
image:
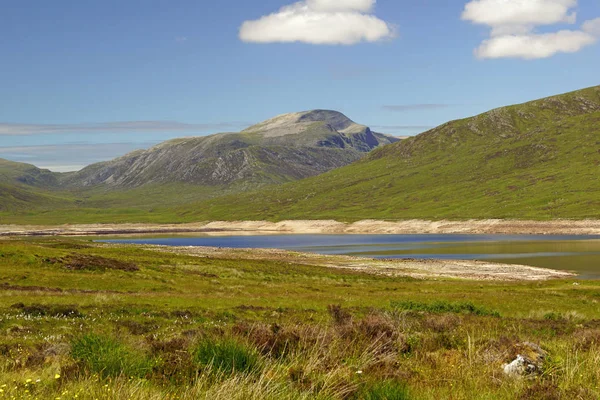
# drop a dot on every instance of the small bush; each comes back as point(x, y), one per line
point(386, 390)
point(444, 307)
point(273, 341)
point(108, 357)
point(339, 315)
point(40, 310)
point(226, 356)
point(552, 316)
point(138, 328)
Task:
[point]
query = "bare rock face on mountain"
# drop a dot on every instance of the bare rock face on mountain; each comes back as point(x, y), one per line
point(285, 148)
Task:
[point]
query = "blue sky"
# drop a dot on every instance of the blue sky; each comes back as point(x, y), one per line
point(87, 80)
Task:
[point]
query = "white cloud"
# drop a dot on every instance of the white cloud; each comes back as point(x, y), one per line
point(534, 46)
point(592, 27)
point(519, 13)
point(341, 5)
point(513, 26)
point(319, 22)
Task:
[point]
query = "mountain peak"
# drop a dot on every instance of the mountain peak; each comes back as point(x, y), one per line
point(299, 122)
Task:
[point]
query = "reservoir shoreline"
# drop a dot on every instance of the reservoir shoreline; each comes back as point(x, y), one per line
point(489, 226)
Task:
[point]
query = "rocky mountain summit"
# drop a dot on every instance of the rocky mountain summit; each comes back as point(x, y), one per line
point(285, 148)
point(536, 160)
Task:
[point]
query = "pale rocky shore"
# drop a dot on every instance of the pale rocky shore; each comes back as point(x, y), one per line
point(419, 269)
point(490, 226)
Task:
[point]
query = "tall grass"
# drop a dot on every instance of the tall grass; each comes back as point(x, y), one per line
point(386, 390)
point(226, 356)
point(110, 358)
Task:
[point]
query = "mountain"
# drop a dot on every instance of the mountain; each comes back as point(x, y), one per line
point(282, 149)
point(538, 160)
point(24, 186)
point(26, 174)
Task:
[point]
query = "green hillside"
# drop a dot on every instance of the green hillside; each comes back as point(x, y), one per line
point(539, 160)
point(26, 174)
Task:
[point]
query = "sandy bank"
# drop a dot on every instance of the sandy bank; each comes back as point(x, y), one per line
point(420, 269)
point(491, 226)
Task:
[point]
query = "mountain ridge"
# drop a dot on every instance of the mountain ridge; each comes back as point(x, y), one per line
point(536, 160)
point(308, 141)
point(301, 145)
point(533, 161)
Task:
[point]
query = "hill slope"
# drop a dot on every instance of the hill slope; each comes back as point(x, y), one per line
point(286, 148)
point(537, 160)
point(26, 174)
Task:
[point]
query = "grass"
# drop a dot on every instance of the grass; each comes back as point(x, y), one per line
point(386, 390)
point(441, 307)
point(225, 355)
point(181, 327)
point(108, 357)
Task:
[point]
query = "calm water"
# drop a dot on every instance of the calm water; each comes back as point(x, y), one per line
point(580, 254)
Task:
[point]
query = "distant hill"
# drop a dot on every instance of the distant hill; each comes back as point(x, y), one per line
point(538, 160)
point(26, 174)
point(282, 149)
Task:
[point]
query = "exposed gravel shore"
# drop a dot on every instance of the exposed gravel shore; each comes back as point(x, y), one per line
point(491, 226)
point(420, 269)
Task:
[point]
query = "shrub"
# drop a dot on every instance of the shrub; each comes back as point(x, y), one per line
point(108, 357)
point(339, 315)
point(225, 355)
point(40, 310)
point(386, 390)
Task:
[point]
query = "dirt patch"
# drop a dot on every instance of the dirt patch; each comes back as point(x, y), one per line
point(6, 286)
point(41, 310)
point(44, 289)
point(68, 246)
point(82, 262)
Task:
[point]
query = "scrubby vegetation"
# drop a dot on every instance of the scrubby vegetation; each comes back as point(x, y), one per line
point(182, 327)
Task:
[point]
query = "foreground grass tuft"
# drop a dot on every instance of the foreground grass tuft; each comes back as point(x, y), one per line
point(110, 358)
point(226, 356)
point(386, 390)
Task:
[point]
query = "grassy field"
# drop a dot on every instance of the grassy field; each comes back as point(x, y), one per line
point(80, 320)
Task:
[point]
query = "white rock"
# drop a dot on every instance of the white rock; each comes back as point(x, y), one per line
point(520, 367)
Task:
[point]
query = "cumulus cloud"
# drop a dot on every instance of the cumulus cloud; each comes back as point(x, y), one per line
point(330, 22)
point(534, 46)
point(513, 26)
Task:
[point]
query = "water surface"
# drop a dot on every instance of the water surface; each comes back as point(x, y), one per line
point(580, 254)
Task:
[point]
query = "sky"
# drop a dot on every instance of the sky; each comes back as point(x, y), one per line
point(83, 81)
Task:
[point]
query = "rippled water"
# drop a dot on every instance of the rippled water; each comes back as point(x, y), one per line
point(580, 254)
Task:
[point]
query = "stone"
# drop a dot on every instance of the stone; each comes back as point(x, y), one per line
point(529, 361)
